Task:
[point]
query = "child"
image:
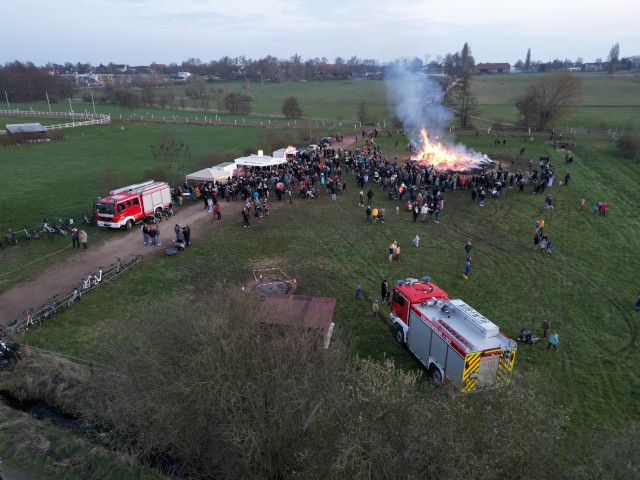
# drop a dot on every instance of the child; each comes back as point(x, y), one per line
point(416, 241)
point(376, 308)
point(467, 269)
point(358, 291)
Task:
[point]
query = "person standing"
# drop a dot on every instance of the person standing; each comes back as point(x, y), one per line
point(545, 327)
point(396, 257)
point(467, 269)
point(553, 341)
point(384, 291)
point(145, 234)
point(186, 233)
point(392, 250)
point(376, 308)
point(638, 303)
point(358, 290)
point(83, 237)
point(245, 216)
point(369, 196)
point(74, 237)
point(152, 234)
point(416, 241)
point(158, 239)
point(467, 250)
point(361, 199)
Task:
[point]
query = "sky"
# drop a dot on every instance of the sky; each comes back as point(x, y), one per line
point(139, 32)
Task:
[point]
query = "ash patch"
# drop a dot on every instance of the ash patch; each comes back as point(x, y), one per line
point(273, 287)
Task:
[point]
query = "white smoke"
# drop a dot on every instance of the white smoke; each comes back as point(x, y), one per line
point(417, 103)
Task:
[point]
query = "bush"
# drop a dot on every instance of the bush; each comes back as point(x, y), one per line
point(629, 147)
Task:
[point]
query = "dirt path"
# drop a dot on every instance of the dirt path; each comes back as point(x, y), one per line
point(63, 276)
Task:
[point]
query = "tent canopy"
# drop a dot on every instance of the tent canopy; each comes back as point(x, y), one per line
point(259, 160)
point(207, 175)
point(283, 152)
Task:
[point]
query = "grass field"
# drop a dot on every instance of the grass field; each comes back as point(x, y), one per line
point(587, 287)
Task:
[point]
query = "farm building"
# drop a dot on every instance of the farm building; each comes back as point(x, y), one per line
point(493, 68)
point(27, 132)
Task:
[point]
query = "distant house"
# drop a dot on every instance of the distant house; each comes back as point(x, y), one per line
point(27, 132)
point(493, 68)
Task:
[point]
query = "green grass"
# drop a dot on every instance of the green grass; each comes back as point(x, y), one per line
point(583, 287)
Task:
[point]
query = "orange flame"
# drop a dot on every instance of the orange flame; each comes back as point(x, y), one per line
point(439, 156)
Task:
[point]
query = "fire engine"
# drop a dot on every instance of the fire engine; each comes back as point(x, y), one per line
point(128, 205)
point(458, 345)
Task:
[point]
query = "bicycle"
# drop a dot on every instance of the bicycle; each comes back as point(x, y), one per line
point(75, 296)
point(88, 219)
point(11, 237)
point(49, 309)
point(28, 319)
point(48, 229)
point(26, 233)
point(35, 235)
point(92, 280)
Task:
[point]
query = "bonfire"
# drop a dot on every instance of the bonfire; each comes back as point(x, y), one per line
point(448, 158)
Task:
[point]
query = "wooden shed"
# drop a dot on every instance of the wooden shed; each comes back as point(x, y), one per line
point(313, 313)
point(27, 132)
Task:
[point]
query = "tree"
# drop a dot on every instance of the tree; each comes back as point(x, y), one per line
point(291, 108)
point(548, 98)
point(362, 111)
point(458, 89)
point(613, 58)
point(527, 61)
point(171, 152)
point(237, 103)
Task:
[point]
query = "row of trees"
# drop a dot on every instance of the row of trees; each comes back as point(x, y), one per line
point(28, 83)
point(612, 64)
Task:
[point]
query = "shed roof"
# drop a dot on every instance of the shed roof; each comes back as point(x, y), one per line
point(25, 128)
point(493, 66)
point(300, 311)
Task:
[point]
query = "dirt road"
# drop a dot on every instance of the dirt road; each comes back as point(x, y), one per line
point(62, 277)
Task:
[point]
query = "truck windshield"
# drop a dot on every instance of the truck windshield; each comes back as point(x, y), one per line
point(105, 208)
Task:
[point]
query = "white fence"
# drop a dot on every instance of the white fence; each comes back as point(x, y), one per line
point(77, 119)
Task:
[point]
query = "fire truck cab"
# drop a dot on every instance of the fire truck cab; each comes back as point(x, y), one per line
point(458, 345)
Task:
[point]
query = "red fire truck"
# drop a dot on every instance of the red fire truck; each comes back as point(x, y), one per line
point(128, 205)
point(458, 345)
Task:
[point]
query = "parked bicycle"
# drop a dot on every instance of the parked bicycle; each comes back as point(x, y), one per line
point(35, 235)
point(11, 237)
point(48, 229)
point(92, 280)
point(88, 219)
point(75, 296)
point(48, 310)
point(27, 320)
point(26, 233)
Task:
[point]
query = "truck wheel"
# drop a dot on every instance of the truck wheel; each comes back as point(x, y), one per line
point(128, 225)
point(436, 374)
point(399, 333)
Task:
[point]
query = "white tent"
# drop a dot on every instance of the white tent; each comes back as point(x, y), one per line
point(207, 175)
point(259, 160)
point(283, 152)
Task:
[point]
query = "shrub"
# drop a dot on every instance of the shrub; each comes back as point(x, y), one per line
point(629, 147)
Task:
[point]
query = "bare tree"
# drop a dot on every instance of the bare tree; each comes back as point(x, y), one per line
point(548, 98)
point(613, 58)
point(362, 111)
point(171, 152)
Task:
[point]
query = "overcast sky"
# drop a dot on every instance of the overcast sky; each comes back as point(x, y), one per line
point(138, 32)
